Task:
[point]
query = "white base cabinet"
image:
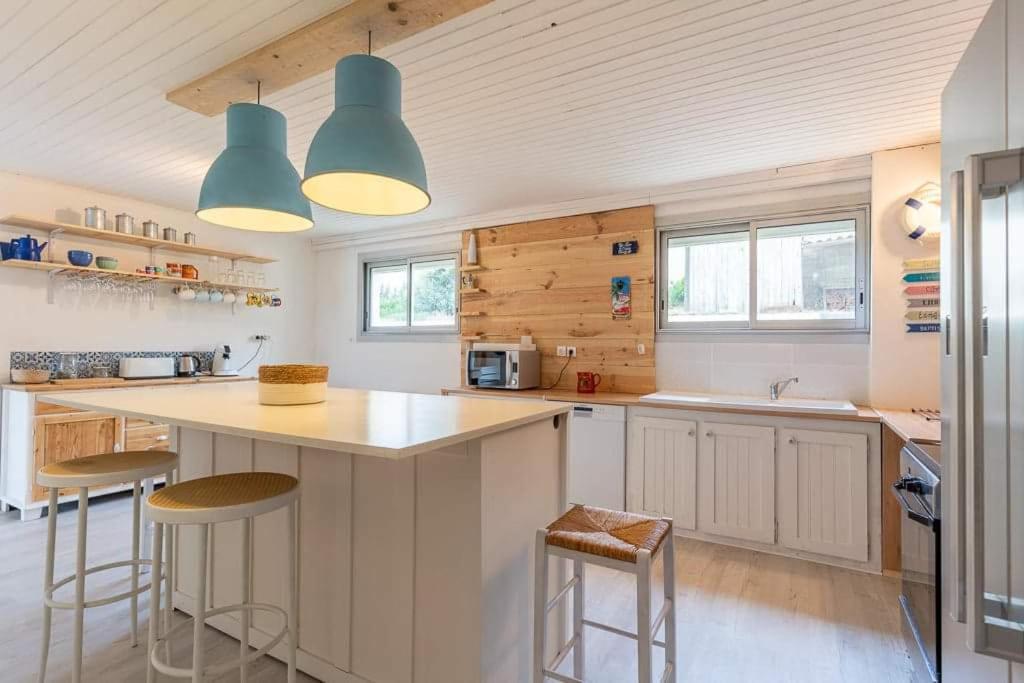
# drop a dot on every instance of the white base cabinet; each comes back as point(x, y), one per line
point(662, 469)
point(804, 487)
point(736, 490)
point(823, 492)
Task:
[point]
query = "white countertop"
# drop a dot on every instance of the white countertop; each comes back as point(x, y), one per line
point(379, 423)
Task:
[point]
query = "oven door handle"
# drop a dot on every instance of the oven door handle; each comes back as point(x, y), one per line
point(922, 518)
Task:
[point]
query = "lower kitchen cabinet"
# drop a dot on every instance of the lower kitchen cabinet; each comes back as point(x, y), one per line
point(736, 491)
point(66, 436)
point(661, 476)
point(823, 492)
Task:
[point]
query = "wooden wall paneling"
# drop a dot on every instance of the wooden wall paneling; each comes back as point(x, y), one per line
point(551, 279)
point(325, 512)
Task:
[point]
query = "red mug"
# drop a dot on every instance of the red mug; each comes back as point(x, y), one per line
point(587, 382)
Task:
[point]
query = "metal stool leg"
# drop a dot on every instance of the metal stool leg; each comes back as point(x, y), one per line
point(293, 591)
point(83, 513)
point(169, 573)
point(246, 592)
point(578, 653)
point(136, 519)
point(200, 610)
point(51, 544)
point(668, 557)
point(643, 615)
point(154, 601)
point(540, 603)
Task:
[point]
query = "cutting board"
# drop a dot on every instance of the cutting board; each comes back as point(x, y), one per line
point(87, 382)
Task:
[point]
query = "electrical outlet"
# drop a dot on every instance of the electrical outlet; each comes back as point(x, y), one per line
point(261, 337)
point(560, 351)
point(571, 350)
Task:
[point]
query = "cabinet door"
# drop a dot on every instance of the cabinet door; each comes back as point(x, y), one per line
point(737, 481)
point(823, 485)
point(662, 472)
point(65, 437)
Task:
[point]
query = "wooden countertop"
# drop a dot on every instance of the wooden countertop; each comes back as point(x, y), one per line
point(864, 414)
point(377, 423)
point(126, 384)
point(909, 425)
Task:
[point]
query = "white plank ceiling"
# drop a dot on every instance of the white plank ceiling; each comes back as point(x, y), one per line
point(522, 102)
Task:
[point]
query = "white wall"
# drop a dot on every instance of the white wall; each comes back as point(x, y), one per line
point(904, 367)
point(101, 324)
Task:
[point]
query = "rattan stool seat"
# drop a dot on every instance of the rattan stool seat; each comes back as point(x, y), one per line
point(607, 533)
point(222, 497)
point(106, 469)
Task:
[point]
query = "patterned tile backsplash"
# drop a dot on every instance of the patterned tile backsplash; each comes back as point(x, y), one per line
point(49, 360)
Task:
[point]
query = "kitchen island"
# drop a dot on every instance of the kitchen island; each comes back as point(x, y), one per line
point(416, 521)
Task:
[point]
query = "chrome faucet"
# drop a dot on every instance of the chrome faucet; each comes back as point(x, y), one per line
point(775, 389)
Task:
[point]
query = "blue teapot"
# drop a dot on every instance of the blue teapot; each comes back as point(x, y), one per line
point(26, 248)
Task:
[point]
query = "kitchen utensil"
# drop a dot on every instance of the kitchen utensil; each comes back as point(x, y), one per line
point(142, 368)
point(30, 376)
point(189, 272)
point(68, 366)
point(106, 262)
point(290, 385)
point(230, 297)
point(170, 235)
point(223, 364)
point(77, 257)
point(188, 365)
point(87, 381)
point(100, 371)
point(190, 238)
point(173, 270)
point(202, 296)
point(124, 223)
point(216, 297)
point(151, 230)
point(26, 248)
point(95, 217)
point(587, 382)
point(185, 293)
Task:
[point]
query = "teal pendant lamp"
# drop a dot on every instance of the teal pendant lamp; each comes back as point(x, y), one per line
point(252, 185)
point(363, 159)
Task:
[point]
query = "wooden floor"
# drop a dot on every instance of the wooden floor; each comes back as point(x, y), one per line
point(743, 616)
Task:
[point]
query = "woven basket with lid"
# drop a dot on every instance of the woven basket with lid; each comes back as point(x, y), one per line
point(292, 384)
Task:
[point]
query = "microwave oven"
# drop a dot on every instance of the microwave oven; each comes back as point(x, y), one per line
point(507, 369)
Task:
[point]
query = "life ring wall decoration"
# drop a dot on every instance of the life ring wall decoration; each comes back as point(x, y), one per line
point(921, 213)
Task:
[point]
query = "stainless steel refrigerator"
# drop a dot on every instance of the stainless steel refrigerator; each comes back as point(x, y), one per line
point(982, 291)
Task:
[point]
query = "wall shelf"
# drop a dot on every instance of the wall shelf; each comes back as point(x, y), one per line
point(52, 228)
point(124, 274)
point(470, 268)
point(473, 314)
point(472, 290)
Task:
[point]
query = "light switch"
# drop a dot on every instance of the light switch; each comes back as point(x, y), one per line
point(641, 349)
point(560, 351)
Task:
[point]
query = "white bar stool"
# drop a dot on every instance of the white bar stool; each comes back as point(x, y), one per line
point(619, 540)
point(106, 469)
point(206, 501)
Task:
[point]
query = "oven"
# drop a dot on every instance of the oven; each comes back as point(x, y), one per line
point(917, 491)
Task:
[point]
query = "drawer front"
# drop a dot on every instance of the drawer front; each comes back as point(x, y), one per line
point(147, 437)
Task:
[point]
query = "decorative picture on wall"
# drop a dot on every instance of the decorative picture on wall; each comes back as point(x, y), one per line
point(622, 298)
point(922, 294)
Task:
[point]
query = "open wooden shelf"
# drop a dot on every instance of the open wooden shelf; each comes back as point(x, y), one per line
point(471, 338)
point(472, 290)
point(122, 238)
point(473, 314)
point(52, 266)
point(470, 268)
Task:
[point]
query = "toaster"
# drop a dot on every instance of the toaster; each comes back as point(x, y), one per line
point(146, 368)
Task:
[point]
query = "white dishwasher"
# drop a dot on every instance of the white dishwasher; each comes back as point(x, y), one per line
point(597, 455)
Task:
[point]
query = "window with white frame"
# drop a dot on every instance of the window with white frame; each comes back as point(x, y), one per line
point(414, 294)
point(799, 272)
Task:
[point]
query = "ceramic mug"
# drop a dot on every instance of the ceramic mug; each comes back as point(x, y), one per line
point(186, 293)
point(587, 382)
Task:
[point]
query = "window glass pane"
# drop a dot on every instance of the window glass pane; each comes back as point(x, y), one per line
point(708, 278)
point(388, 296)
point(433, 293)
point(807, 271)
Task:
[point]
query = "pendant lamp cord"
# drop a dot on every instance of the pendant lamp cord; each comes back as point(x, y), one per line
point(259, 85)
point(369, 42)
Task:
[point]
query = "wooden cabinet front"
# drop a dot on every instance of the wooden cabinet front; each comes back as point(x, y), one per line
point(662, 469)
point(66, 436)
point(736, 493)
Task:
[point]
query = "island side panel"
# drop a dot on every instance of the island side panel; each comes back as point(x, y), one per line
point(195, 450)
point(522, 490)
point(230, 454)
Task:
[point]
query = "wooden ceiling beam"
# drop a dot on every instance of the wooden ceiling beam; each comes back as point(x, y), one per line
point(314, 49)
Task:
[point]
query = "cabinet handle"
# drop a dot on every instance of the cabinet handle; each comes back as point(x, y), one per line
point(792, 440)
point(692, 432)
point(709, 434)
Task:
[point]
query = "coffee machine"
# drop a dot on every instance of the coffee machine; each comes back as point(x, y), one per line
point(223, 364)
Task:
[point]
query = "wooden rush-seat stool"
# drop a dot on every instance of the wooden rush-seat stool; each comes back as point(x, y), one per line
point(204, 502)
point(105, 469)
point(619, 540)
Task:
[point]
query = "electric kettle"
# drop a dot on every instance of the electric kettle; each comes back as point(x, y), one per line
point(188, 365)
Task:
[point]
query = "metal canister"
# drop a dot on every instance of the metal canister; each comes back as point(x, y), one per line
point(170, 235)
point(151, 229)
point(124, 223)
point(190, 238)
point(95, 217)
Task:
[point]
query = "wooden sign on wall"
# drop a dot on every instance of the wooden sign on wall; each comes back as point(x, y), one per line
point(550, 279)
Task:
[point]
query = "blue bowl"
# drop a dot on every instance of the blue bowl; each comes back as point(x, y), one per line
point(79, 258)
